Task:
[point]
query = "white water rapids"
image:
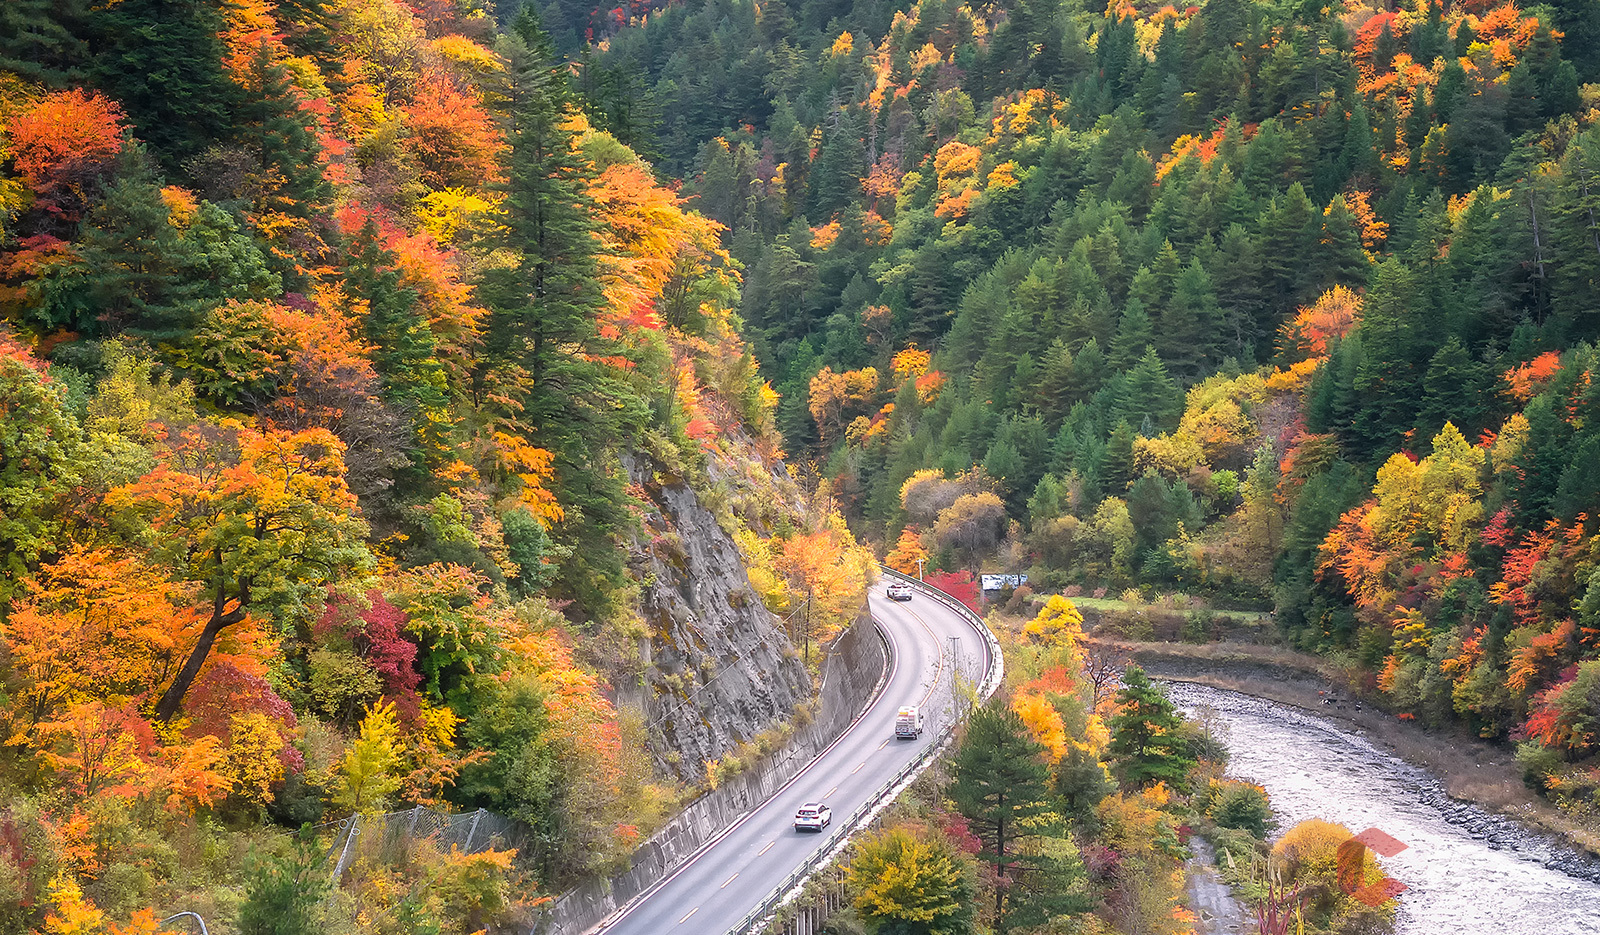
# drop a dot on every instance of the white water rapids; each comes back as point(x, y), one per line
point(1468, 873)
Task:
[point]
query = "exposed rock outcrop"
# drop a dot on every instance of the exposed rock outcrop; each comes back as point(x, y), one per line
point(718, 668)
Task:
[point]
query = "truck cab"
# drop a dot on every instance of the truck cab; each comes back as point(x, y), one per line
point(908, 723)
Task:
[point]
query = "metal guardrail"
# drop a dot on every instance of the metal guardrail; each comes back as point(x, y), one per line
point(890, 789)
point(997, 665)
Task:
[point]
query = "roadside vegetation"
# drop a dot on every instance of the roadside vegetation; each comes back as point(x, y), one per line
point(1068, 806)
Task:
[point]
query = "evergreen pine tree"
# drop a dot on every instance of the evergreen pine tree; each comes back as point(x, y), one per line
point(1453, 390)
point(40, 39)
point(162, 60)
point(404, 350)
point(1144, 734)
point(1238, 278)
point(539, 371)
point(1001, 787)
point(1290, 229)
point(1341, 260)
point(1116, 460)
point(1191, 323)
point(1148, 392)
point(1135, 336)
point(1386, 376)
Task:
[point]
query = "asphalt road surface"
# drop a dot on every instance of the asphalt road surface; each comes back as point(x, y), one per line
point(713, 892)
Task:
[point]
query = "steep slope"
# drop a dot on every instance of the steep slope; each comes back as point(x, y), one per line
point(719, 669)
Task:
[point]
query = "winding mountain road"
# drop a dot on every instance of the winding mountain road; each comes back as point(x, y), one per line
point(717, 888)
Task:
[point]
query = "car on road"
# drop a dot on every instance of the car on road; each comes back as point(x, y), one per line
point(812, 816)
point(899, 591)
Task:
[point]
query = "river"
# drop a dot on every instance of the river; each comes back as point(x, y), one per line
point(1468, 872)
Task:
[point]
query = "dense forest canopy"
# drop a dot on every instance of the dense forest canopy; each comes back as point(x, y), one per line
point(346, 345)
point(1284, 305)
point(330, 332)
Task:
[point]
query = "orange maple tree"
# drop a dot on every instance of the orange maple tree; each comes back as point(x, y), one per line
point(252, 517)
point(96, 625)
point(64, 144)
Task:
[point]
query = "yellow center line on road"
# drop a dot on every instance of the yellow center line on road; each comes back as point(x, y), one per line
point(938, 666)
point(767, 848)
point(858, 767)
point(729, 880)
point(690, 913)
point(885, 742)
point(830, 792)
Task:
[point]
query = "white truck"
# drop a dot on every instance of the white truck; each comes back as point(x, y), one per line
point(908, 723)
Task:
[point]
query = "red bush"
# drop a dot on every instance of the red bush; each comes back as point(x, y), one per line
point(960, 585)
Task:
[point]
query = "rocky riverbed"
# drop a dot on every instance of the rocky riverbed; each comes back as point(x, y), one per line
point(1467, 871)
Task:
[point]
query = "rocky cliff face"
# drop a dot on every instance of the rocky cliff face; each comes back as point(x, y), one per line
point(718, 669)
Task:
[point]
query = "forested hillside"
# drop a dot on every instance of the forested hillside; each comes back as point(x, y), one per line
point(343, 364)
point(1284, 306)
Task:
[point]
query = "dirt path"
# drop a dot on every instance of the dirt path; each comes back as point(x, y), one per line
point(1216, 911)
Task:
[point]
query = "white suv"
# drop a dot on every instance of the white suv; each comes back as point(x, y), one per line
point(812, 816)
point(899, 591)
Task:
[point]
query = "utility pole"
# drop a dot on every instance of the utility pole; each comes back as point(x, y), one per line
point(807, 606)
point(919, 568)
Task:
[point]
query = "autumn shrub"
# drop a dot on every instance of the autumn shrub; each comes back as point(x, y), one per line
point(478, 892)
point(910, 878)
point(30, 856)
point(1310, 852)
point(1243, 806)
point(341, 682)
point(1576, 789)
point(1234, 847)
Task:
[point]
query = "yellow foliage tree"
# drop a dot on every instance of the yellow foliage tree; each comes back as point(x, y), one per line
point(533, 468)
point(1172, 455)
point(911, 362)
point(371, 765)
point(252, 762)
point(908, 553)
point(762, 568)
point(1043, 722)
point(1217, 414)
point(833, 396)
point(1060, 620)
point(912, 880)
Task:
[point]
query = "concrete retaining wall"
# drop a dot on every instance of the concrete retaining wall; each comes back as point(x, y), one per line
point(852, 674)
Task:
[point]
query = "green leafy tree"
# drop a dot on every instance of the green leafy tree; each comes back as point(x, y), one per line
point(41, 462)
point(521, 777)
point(139, 273)
point(1145, 740)
point(263, 521)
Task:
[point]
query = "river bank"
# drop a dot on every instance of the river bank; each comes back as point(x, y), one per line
point(1462, 868)
point(1467, 768)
